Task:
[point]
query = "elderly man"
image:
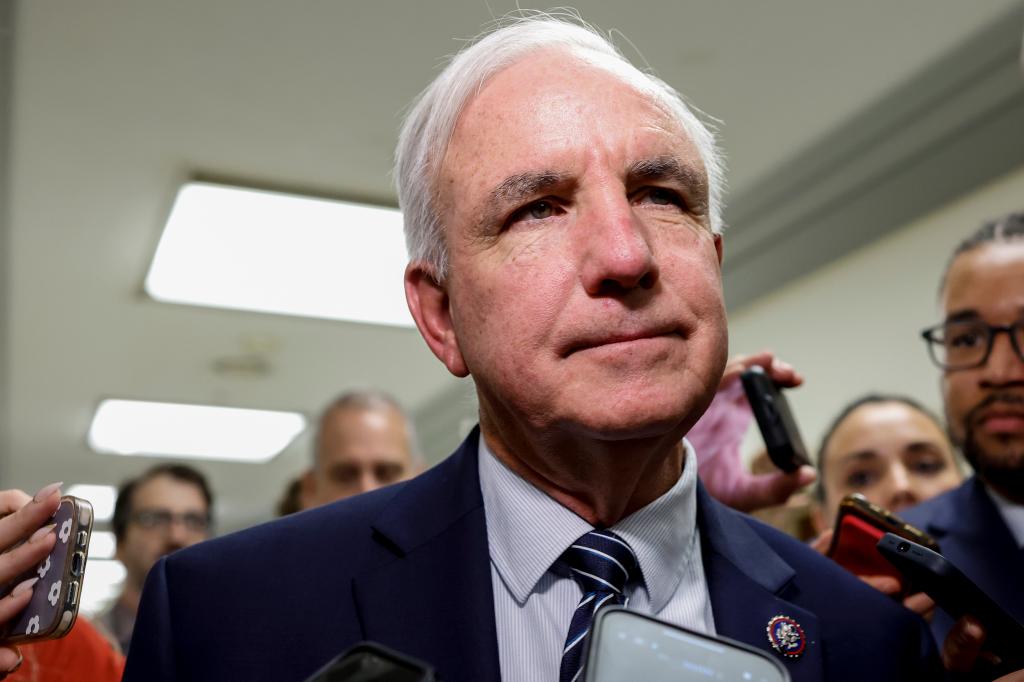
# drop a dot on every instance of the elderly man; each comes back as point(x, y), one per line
point(562, 211)
point(980, 525)
point(363, 442)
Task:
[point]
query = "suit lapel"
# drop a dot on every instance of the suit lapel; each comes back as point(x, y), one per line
point(745, 578)
point(980, 544)
point(427, 590)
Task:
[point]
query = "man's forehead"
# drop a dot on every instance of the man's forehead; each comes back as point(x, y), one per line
point(164, 489)
point(975, 274)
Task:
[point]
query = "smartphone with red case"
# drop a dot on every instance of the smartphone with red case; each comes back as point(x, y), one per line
point(55, 597)
point(859, 526)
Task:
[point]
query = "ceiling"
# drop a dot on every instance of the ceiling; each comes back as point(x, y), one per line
point(113, 104)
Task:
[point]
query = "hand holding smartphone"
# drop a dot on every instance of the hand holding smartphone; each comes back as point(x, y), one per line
point(959, 596)
point(53, 606)
point(859, 526)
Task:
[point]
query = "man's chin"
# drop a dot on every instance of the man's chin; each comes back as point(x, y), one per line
point(1000, 464)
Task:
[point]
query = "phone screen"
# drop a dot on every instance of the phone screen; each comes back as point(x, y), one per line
point(631, 646)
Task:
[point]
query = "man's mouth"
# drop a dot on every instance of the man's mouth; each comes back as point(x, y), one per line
point(606, 340)
point(1000, 414)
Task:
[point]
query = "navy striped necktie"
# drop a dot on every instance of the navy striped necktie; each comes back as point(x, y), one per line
point(602, 563)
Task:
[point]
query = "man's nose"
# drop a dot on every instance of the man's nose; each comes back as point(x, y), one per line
point(1004, 367)
point(367, 482)
point(618, 254)
point(177, 532)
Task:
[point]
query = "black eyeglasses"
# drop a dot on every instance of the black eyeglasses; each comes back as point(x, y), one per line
point(965, 344)
point(163, 518)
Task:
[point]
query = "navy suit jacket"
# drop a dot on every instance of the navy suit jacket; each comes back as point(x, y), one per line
point(408, 567)
point(972, 534)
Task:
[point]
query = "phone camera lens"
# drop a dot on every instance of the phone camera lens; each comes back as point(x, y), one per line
point(903, 547)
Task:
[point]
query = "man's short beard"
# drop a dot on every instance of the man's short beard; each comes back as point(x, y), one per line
point(1004, 472)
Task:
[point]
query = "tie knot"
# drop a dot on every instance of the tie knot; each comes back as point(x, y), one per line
point(601, 561)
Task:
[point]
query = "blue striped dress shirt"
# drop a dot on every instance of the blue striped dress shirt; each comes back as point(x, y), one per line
point(534, 595)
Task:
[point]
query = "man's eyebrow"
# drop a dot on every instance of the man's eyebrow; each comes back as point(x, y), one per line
point(670, 168)
point(522, 185)
point(965, 315)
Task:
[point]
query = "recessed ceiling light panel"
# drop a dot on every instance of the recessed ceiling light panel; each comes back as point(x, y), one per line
point(133, 427)
point(231, 247)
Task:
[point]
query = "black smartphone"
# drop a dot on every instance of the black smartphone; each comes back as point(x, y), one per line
point(54, 605)
point(958, 596)
point(626, 645)
point(860, 524)
point(775, 420)
point(370, 662)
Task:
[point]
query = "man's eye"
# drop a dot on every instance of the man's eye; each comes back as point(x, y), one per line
point(538, 210)
point(961, 337)
point(663, 197)
point(965, 340)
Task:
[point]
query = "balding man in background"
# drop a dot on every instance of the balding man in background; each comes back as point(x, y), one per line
point(364, 441)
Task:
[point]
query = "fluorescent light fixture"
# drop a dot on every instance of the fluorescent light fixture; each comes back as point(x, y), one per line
point(132, 427)
point(102, 498)
point(102, 584)
point(102, 545)
point(230, 247)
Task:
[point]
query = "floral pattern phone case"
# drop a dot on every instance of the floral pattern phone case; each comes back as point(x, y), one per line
point(54, 604)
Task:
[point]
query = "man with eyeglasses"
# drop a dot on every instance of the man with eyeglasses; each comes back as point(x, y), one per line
point(163, 510)
point(979, 347)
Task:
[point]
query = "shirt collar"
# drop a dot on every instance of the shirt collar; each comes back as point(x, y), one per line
point(1012, 513)
point(662, 534)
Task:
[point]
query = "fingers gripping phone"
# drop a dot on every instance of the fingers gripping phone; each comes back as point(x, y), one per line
point(626, 645)
point(55, 597)
point(859, 526)
point(958, 596)
point(775, 420)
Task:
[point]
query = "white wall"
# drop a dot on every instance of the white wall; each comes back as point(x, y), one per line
point(853, 326)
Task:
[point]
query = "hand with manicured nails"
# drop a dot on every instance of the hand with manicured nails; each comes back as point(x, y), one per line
point(25, 540)
point(719, 433)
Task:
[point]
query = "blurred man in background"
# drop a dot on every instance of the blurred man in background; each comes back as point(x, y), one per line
point(980, 524)
point(364, 441)
point(165, 509)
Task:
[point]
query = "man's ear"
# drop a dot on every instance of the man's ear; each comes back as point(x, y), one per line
point(431, 308)
point(720, 248)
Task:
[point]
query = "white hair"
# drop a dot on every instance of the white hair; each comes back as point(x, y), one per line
point(430, 123)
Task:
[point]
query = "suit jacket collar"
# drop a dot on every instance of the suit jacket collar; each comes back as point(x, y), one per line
point(433, 570)
point(434, 561)
point(748, 582)
point(973, 535)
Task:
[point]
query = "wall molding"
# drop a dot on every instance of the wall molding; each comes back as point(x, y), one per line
point(952, 128)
